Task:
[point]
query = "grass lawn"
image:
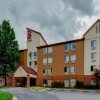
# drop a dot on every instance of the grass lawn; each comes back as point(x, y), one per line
point(37, 88)
point(5, 96)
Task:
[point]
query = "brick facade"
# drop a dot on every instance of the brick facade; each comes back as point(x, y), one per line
point(58, 63)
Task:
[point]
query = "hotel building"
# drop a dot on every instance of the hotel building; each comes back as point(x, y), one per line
point(26, 73)
point(71, 60)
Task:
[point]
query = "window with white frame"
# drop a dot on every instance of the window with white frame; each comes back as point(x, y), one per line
point(44, 71)
point(93, 67)
point(93, 44)
point(44, 61)
point(93, 56)
point(49, 50)
point(73, 69)
point(35, 55)
point(73, 46)
point(30, 56)
point(66, 59)
point(93, 82)
point(30, 63)
point(73, 82)
point(73, 58)
point(66, 70)
point(44, 51)
point(96, 28)
point(66, 83)
point(35, 62)
point(44, 82)
point(49, 83)
point(49, 71)
point(49, 60)
point(66, 47)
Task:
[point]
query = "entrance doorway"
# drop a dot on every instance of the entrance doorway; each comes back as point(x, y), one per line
point(32, 81)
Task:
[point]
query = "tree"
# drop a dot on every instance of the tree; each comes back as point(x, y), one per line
point(9, 49)
point(96, 77)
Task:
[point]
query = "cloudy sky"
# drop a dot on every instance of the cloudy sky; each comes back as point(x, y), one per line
point(57, 20)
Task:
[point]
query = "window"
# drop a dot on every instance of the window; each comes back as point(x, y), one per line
point(73, 69)
point(44, 81)
point(93, 56)
point(66, 83)
point(30, 55)
point(49, 83)
point(66, 59)
point(35, 55)
point(66, 47)
point(73, 58)
point(93, 82)
point(93, 44)
point(44, 51)
point(66, 69)
point(49, 60)
point(49, 50)
point(44, 71)
point(99, 28)
point(93, 67)
point(96, 29)
point(49, 71)
point(30, 63)
point(73, 82)
point(73, 46)
point(44, 61)
point(35, 62)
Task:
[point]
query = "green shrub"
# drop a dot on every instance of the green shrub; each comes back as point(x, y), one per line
point(5, 96)
point(89, 87)
point(58, 85)
point(79, 84)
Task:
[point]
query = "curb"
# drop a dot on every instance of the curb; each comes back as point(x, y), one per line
point(14, 98)
point(87, 91)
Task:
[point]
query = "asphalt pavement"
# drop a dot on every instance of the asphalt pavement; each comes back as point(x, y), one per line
point(26, 94)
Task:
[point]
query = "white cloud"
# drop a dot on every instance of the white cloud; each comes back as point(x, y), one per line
point(58, 20)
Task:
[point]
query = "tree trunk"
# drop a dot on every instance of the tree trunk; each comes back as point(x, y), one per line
point(5, 81)
point(5, 75)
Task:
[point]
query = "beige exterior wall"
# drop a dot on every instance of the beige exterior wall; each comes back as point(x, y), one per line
point(31, 46)
point(20, 72)
point(91, 35)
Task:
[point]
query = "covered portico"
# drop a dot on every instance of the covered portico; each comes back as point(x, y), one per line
point(24, 76)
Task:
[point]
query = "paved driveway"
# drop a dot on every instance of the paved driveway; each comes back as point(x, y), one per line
point(25, 94)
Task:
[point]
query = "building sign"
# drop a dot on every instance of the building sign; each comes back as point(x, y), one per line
point(29, 35)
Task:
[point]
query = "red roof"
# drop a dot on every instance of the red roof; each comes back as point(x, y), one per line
point(29, 70)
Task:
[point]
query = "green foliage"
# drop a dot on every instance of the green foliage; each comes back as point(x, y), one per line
point(79, 84)
point(89, 87)
point(96, 77)
point(9, 50)
point(58, 85)
point(5, 96)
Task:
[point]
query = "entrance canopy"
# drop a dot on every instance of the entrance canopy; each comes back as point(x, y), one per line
point(23, 71)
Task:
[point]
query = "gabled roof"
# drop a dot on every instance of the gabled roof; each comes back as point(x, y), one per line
point(27, 69)
point(98, 20)
point(37, 33)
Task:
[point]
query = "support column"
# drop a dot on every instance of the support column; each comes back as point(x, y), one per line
point(28, 80)
point(13, 81)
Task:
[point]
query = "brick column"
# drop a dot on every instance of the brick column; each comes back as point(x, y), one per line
point(13, 81)
point(28, 80)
